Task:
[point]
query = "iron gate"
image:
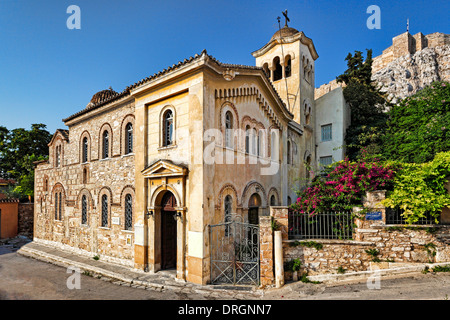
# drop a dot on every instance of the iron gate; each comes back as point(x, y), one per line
point(234, 253)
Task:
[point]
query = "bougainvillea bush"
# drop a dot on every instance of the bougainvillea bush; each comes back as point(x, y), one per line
point(344, 185)
point(417, 189)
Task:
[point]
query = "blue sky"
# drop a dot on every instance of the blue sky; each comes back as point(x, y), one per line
point(48, 72)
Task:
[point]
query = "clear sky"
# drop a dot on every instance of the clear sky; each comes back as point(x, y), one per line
point(49, 72)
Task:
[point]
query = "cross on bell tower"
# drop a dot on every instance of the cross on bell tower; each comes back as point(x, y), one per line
point(286, 19)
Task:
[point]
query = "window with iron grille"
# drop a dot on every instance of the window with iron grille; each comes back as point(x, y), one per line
point(105, 144)
point(228, 207)
point(56, 206)
point(128, 212)
point(60, 205)
point(228, 129)
point(104, 210)
point(168, 128)
point(85, 150)
point(327, 132)
point(326, 161)
point(129, 139)
point(84, 210)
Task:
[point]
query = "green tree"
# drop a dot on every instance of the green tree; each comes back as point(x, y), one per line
point(367, 106)
point(419, 126)
point(19, 148)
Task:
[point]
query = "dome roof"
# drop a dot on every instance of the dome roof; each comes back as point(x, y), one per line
point(102, 96)
point(284, 32)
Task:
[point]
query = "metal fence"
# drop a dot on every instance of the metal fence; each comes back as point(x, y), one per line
point(324, 225)
point(395, 216)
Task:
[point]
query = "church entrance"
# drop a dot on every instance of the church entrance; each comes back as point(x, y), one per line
point(168, 231)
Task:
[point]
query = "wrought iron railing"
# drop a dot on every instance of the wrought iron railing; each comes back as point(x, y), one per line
point(395, 216)
point(323, 225)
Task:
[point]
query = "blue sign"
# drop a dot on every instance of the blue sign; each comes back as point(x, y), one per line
point(373, 215)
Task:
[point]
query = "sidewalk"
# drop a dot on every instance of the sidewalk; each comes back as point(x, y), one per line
point(165, 280)
point(125, 276)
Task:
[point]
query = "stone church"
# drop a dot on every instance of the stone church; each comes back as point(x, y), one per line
point(140, 175)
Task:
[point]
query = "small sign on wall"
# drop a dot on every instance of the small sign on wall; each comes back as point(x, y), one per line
point(373, 215)
point(115, 220)
point(129, 240)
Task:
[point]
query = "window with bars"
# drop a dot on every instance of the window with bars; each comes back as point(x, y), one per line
point(56, 206)
point(128, 212)
point(85, 149)
point(58, 156)
point(60, 206)
point(228, 208)
point(105, 211)
point(327, 132)
point(168, 128)
point(84, 210)
point(129, 138)
point(228, 129)
point(325, 161)
point(105, 144)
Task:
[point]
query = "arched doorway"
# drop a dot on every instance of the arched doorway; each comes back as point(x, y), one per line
point(253, 209)
point(168, 231)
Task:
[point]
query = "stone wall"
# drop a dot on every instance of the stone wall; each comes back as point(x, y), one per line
point(113, 176)
point(26, 219)
point(395, 244)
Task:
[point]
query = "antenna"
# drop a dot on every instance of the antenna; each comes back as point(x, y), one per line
point(407, 25)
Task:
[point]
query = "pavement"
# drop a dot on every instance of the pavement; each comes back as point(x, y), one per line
point(165, 281)
point(126, 276)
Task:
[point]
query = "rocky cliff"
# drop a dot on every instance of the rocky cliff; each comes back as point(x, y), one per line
point(410, 73)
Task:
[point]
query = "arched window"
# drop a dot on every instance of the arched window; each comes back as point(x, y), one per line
point(289, 201)
point(278, 71)
point(85, 149)
point(259, 142)
point(129, 138)
point(228, 203)
point(287, 67)
point(85, 175)
point(168, 128)
point(266, 69)
point(105, 144)
point(308, 166)
point(60, 206)
point(84, 209)
point(274, 147)
point(105, 211)
point(56, 206)
point(247, 139)
point(254, 141)
point(228, 129)
point(128, 212)
point(58, 156)
point(273, 201)
point(307, 113)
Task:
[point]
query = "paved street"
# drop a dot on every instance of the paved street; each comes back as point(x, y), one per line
point(29, 279)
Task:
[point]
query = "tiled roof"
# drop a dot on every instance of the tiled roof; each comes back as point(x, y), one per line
point(104, 98)
point(64, 132)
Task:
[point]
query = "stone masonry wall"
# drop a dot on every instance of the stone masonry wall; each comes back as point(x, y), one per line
point(395, 244)
point(26, 219)
point(113, 176)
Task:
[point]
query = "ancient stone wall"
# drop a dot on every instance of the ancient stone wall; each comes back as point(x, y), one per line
point(395, 244)
point(74, 179)
point(26, 218)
